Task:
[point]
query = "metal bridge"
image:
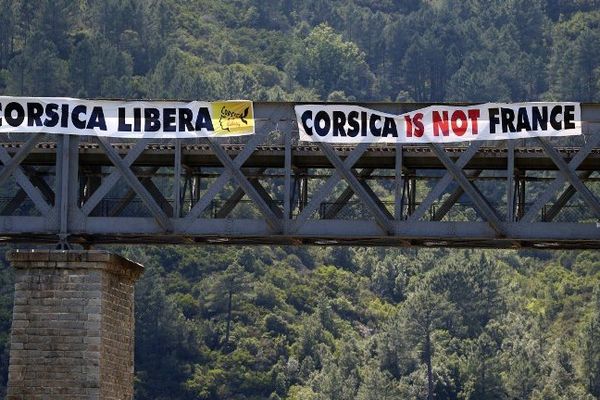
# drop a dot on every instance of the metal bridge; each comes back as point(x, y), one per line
point(270, 189)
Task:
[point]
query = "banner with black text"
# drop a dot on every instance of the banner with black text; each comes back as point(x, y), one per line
point(126, 119)
point(341, 123)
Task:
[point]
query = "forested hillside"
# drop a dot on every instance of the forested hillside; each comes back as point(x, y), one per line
point(436, 50)
point(302, 323)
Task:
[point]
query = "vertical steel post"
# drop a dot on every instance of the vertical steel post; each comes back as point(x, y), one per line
point(66, 184)
point(287, 191)
point(521, 196)
point(304, 189)
point(186, 184)
point(63, 210)
point(412, 193)
point(510, 183)
point(74, 186)
point(195, 188)
point(398, 194)
point(177, 180)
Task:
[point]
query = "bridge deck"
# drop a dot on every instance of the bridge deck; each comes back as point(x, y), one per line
point(270, 189)
point(309, 156)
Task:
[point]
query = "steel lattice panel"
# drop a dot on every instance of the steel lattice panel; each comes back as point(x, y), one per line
point(270, 189)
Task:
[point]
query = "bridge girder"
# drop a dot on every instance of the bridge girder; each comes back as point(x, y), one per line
point(269, 189)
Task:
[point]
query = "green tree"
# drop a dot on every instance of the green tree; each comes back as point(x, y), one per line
point(472, 284)
point(424, 312)
point(327, 63)
point(559, 382)
point(339, 378)
point(8, 31)
point(573, 69)
point(54, 19)
point(180, 75)
point(99, 69)
point(38, 70)
point(165, 344)
point(376, 384)
point(480, 368)
point(233, 281)
point(523, 350)
point(589, 348)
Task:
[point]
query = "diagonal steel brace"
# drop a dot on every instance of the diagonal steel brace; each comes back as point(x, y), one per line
point(222, 180)
point(250, 190)
point(15, 161)
point(445, 207)
point(560, 180)
point(572, 177)
point(112, 179)
point(12, 166)
point(158, 213)
point(564, 198)
point(443, 183)
point(481, 205)
point(237, 195)
point(383, 219)
point(333, 210)
point(326, 188)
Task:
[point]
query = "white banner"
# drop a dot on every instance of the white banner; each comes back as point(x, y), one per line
point(437, 124)
point(126, 119)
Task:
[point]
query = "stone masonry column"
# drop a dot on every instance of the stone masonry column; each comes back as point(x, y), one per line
point(73, 326)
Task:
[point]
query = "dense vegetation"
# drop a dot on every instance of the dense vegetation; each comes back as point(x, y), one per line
point(334, 323)
point(410, 50)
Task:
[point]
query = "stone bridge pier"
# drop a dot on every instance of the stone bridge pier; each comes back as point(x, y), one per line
point(73, 325)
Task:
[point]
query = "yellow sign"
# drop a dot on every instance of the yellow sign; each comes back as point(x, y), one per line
point(232, 118)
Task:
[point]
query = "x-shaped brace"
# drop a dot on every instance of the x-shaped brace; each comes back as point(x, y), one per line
point(123, 166)
point(232, 170)
point(443, 183)
point(145, 180)
point(261, 202)
point(332, 211)
point(445, 207)
point(560, 180)
point(328, 186)
point(111, 180)
point(383, 217)
point(12, 167)
point(239, 193)
point(563, 199)
point(479, 202)
point(572, 177)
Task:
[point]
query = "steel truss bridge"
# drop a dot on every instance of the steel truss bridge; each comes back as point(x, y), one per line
point(270, 189)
